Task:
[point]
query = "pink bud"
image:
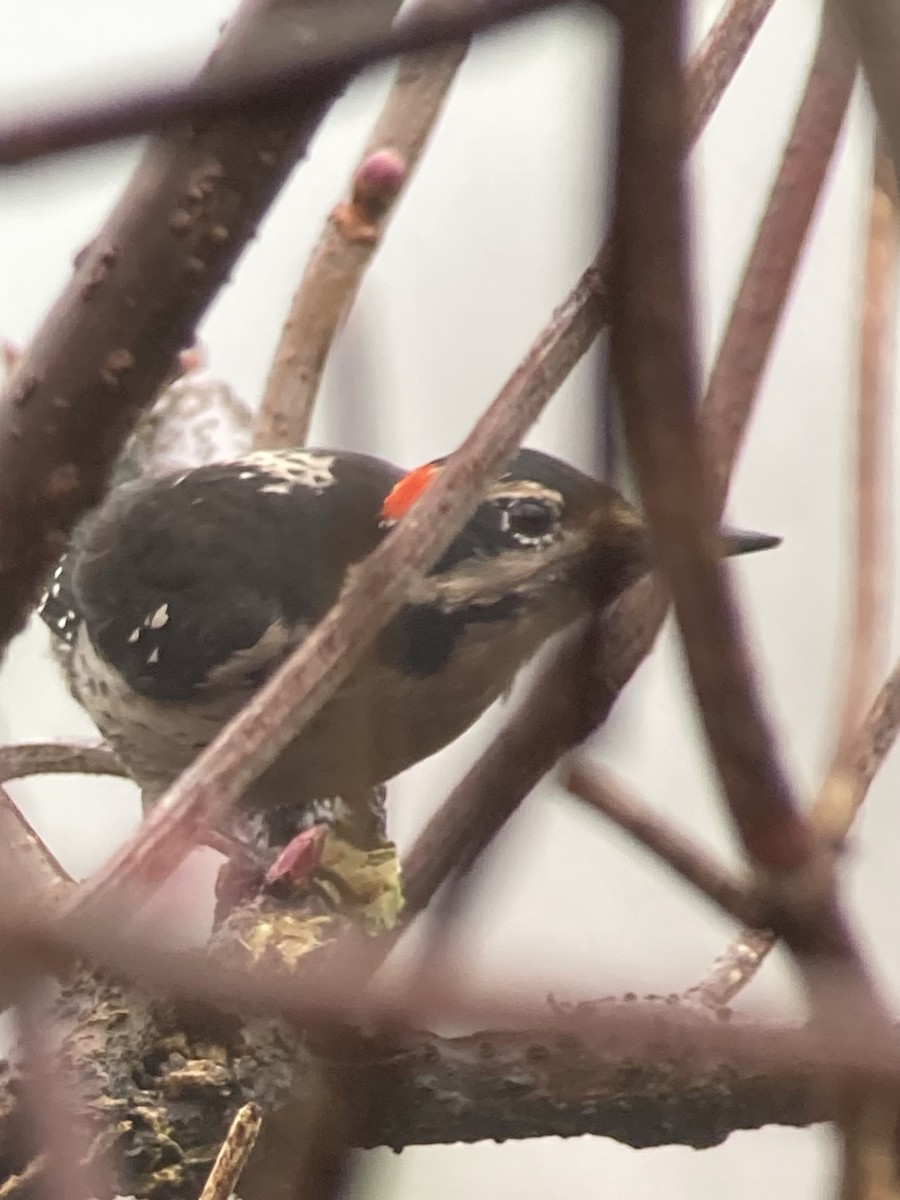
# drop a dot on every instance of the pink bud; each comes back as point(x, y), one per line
point(378, 180)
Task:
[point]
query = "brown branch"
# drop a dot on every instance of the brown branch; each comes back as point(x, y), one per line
point(875, 27)
point(652, 351)
point(718, 58)
point(832, 815)
point(607, 796)
point(852, 774)
point(500, 1085)
point(856, 759)
point(653, 357)
point(592, 1069)
point(88, 757)
point(733, 969)
point(232, 1158)
point(577, 691)
point(29, 849)
point(273, 83)
point(136, 294)
point(854, 763)
point(351, 236)
point(653, 354)
point(870, 582)
point(330, 995)
point(764, 288)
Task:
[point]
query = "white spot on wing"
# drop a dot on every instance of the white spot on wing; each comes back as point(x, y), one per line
point(153, 656)
point(159, 618)
point(133, 636)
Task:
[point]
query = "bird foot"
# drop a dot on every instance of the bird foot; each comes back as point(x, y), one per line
point(297, 870)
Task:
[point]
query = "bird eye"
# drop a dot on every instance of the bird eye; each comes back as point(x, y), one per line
point(530, 520)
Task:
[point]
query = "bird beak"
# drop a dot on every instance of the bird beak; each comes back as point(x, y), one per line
point(741, 541)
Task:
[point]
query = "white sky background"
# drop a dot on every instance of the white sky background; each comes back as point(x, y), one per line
point(495, 230)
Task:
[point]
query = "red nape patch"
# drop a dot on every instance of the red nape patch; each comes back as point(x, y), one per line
point(403, 495)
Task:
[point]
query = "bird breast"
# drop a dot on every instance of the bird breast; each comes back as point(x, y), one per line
point(379, 722)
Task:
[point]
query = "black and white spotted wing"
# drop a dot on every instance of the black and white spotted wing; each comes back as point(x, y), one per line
point(57, 608)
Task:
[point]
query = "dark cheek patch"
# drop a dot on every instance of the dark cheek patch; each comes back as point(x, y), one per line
point(422, 638)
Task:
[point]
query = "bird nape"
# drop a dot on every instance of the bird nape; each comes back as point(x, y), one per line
point(181, 594)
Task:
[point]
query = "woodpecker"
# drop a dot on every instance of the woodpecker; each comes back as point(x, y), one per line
point(183, 593)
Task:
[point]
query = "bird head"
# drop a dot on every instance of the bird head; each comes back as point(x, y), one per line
point(543, 530)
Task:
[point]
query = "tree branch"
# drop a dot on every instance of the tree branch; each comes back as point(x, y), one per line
point(29, 849)
point(275, 81)
point(606, 796)
point(88, 757)
point(232, 1157)
point(136, 294)
point(736, 376)
point(498, 1085)
point(756, 313)
point(652, 351)
point(875, 26)
point(870, 582)
point(575, 694)
point(658, 389)
point(351, 236)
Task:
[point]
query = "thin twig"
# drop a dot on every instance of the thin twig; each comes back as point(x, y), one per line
point(717, 59)
point(875, 26)
point(233, 1154)
point(843, 789)
point(88, 757)
point(663, 839)
point(276, 79)
point(764, 288)
point(870, 568)
point(351, 236)
point(832, 814)
point(29, 848)
point(851, 776)
point(733, 969)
